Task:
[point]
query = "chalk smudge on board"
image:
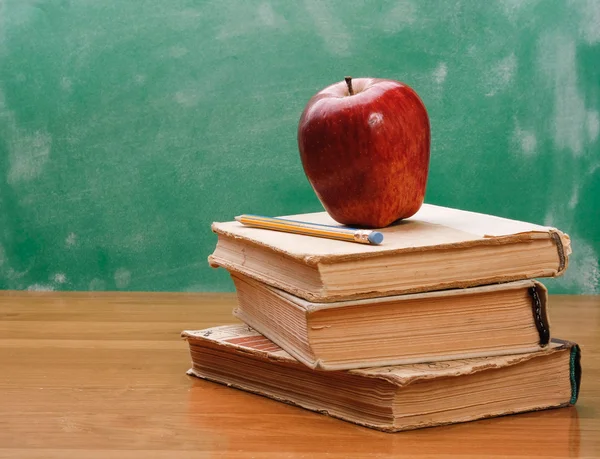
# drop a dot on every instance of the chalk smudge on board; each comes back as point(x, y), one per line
point(402, 15)
point(592, 124)
point(329, 26)
point(3, 16)
point(511, 8)
point(269, 17)
point(40, 288)
point(66, 84)
point(243, 21)
point(440, 73)
point(557, 61)
point(525, 140)
point(71, 240)
point(501, 74)
point(60, 278)
point(549, 218)
point(122, 277)
point(178, 52)
point(97, 285)
point(187, 98)
point(584, 270)
point(574, 197)
point(589, 26)
point(28, 150)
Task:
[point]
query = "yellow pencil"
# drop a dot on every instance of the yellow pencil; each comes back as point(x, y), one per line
point(312, 229)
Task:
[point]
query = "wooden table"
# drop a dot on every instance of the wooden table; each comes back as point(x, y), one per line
point(103, 376)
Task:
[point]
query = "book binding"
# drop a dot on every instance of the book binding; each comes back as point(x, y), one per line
point(540, 316)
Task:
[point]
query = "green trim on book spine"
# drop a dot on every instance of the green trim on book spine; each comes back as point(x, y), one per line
point(575, 373)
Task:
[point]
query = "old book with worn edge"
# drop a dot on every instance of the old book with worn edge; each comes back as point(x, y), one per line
point(539, 315)
point(232, 337)
point(433, 228)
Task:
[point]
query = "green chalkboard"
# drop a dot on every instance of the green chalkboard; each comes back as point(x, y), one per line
point(127, 127)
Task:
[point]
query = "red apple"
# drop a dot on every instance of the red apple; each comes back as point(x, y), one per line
point(364, 145)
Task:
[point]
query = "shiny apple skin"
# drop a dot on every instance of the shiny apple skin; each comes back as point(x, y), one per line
point(366, 155)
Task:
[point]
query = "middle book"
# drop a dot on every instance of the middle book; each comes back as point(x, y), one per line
point(497, 319)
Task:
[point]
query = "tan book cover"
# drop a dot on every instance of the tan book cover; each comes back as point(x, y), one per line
point(437, 248)
point(508, 318)
point(390, 398)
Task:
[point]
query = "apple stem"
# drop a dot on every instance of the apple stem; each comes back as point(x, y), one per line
point(349, 83)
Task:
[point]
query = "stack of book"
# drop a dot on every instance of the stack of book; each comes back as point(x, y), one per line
point(441, 323)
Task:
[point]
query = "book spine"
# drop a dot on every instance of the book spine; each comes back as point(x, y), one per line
point(575, 372)
point(538, 303)
point(562, 259)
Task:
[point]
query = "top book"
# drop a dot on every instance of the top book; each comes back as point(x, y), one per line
point(437, 248)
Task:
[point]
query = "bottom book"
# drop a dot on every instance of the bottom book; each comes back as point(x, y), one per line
point(391, 398)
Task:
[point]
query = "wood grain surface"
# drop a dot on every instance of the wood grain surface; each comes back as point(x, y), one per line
point(102, 375)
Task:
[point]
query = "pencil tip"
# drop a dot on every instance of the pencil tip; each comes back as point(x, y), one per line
point(238, 218)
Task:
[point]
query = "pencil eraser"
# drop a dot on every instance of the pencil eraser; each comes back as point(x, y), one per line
point(375, 237)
